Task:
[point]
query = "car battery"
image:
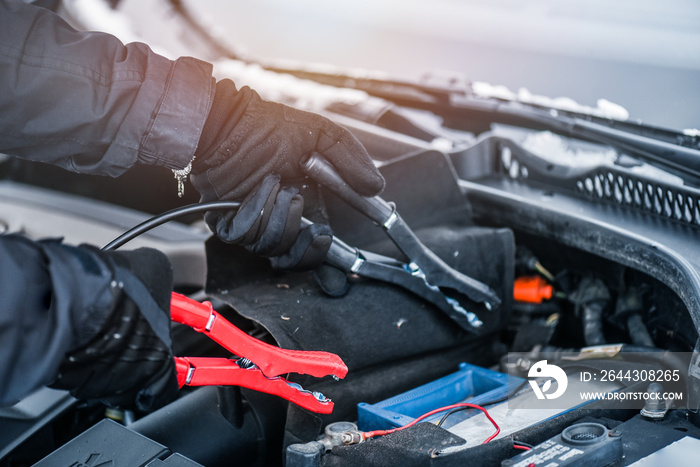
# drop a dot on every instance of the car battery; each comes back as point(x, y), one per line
point(111, 444)
point(470, 384)
point(581, 445)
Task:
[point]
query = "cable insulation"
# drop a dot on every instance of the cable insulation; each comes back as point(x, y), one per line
point(371, 434)
point(161, 219)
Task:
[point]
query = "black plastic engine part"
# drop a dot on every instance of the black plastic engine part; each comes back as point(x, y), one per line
point(304, 454)
point(591, 297)
point(214, 426)
point(642, 437)
point(547, 204)
point(582, 444)
point(109, 443)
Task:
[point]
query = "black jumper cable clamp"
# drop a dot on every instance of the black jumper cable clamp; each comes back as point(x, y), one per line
point(426, 275)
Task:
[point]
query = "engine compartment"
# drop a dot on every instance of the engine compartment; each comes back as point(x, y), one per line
point(614, 237)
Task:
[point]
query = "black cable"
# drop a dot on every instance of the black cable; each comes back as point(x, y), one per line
point(447, 415)
point(505, 398)
point(161, 219)
point(492, 402)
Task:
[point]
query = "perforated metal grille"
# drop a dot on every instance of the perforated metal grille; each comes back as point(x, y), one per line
point(672, 203)
point(678, 203)
point(584, 436)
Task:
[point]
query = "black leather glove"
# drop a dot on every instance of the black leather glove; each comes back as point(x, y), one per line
point(248, 142)
point(129, 362)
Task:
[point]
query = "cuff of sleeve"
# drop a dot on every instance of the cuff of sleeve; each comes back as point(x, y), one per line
point(179, 119)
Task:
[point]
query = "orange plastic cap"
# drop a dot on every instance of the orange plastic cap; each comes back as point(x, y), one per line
point(532, 289)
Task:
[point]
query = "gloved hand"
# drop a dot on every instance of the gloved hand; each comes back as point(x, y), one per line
point(129, 361)
point(251, 150)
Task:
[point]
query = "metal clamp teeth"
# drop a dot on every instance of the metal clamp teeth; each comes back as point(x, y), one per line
point(317, 395)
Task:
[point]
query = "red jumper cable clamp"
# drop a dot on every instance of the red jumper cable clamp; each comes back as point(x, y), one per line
point(257, 365)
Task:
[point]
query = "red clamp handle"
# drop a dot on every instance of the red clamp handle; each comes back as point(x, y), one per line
point(265, 362)
point(272, 361)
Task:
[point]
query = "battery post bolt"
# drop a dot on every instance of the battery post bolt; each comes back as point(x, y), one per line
point(655, 408)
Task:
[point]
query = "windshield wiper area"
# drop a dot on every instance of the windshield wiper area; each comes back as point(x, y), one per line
point(462, 109)
point(680, 160)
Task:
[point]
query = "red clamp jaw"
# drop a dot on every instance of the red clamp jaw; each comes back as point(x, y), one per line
point(259, 366)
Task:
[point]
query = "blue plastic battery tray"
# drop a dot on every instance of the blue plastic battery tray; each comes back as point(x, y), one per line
point(470, 383)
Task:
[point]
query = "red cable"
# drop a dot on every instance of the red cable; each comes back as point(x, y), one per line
point(524, 448)
point(372, 434)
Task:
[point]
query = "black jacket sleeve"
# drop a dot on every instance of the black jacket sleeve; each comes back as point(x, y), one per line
point(94, 322)
point(86, 102)
point(54, 298)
